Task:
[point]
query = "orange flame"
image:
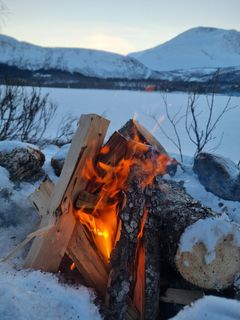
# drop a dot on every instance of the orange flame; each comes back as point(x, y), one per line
point(102, 222)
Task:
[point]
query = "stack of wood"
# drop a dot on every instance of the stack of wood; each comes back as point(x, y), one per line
point(153, 218)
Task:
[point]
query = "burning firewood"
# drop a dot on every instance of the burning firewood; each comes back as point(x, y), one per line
point(120, 222)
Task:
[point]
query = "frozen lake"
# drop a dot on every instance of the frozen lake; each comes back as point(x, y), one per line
point(120, 106)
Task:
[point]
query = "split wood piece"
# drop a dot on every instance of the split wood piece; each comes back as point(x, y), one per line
point(87, 260)
point(40, 198)
point(181, 296)
point(86, 201)
point(123, 255)
point(133, 130)
point(114, 150)
point(46, 253)
point(178, 214)
point(39, 232)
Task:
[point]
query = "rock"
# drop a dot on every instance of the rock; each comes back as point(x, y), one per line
point(58, 159)
point(218, 175)
point(24, 161)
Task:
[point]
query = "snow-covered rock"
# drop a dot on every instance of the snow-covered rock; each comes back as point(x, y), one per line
point(22, 160)
point(58, 159)
point(200, 47)
point(218, 175)
point(93, 63)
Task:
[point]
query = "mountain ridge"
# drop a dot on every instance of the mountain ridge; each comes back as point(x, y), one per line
point(89, 62)
point(200, 47)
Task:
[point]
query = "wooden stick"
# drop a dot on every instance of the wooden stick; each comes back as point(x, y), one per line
point(89, 263)
point(181, 296)
point(38, 233)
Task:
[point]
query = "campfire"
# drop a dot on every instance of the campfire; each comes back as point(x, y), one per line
point(109, 213)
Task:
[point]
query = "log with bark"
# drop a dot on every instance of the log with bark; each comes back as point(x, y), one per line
point(172, 217)
point(203, 246)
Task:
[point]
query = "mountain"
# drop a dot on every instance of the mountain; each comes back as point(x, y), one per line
point(200, 47)
point(90, 63)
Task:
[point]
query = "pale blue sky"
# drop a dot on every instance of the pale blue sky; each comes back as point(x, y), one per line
point(119, 26)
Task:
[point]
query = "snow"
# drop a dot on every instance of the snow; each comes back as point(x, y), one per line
point(8, 146)
point(209, 231)
point(36, 296)
point(88, 62)
point(49, 151)
point(200, 47)
point(211, 308)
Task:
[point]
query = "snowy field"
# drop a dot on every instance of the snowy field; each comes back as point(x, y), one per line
point(120, 106)
point(36, 296)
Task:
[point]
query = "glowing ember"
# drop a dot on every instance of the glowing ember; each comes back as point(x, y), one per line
point(144, 218)
point(102, 222)
point(72, 266)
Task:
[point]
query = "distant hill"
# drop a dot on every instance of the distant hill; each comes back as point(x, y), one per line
point(90, 63)
point(197, 48)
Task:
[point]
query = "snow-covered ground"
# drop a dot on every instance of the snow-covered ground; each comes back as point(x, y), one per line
point(34, 295)
point(120, 106)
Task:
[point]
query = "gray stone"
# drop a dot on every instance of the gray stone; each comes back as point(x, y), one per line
point(22, 160)
point(218, 175)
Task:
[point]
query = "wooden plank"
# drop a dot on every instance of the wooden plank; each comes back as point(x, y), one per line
point(81, 251)
point(133, 130)
point(40, 198)
point(181, 296)
point(46, 253)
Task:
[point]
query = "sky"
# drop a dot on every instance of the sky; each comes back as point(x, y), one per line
point(121, 26)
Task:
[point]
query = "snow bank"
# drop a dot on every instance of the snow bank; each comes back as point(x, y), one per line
point(211, 308)
point(36, 296)
point(10, 145)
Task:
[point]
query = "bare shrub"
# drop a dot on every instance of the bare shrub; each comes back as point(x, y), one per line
point(26, 114)
point(199, 131)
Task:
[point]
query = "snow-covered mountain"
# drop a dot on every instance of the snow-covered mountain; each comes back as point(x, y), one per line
point(93, 63)
point(200, 47)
